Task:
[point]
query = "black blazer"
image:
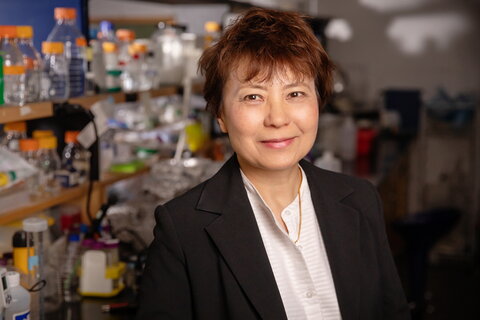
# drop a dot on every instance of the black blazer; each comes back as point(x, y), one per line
point(208, 261)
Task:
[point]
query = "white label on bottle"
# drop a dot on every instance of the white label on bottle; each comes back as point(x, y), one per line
point(24, 315)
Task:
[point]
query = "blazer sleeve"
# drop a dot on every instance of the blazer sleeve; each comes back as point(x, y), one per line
point(394, 302)
point(165, 289)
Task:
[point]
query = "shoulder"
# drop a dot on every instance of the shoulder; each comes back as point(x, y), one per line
point(336, 180)
point(353, 191)
point(182, 209)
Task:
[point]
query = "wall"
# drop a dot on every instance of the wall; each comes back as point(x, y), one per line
point(38, 13)
point(374, 61)
point(194, 16)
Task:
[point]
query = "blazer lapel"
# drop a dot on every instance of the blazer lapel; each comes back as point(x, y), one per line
point(236, 235)
point(339, 225)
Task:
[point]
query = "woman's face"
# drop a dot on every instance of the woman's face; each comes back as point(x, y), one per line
point(271, 125)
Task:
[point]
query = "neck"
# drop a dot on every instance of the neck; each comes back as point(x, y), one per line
point(278, 188)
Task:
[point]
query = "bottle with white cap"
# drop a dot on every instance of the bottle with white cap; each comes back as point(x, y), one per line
point(19, 307)
point(36, 235)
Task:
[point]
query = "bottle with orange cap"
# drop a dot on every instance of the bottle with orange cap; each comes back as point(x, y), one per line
point(112, 67)
point(29, 152)
point(32, 61)
point(38, 134)
point(75, 161)
point(75, 44)
point(49, 163)
point(55, 80)
point(13, 133)
point(134, 76)
point(125, 39)
point(145, 81)
point(14, 78)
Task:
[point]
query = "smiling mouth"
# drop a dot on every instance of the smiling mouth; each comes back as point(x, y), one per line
point(277, 143)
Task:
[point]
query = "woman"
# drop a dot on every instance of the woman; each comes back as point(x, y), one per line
point(270, 236)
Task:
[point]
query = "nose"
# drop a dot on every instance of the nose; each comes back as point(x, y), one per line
point(276, 114)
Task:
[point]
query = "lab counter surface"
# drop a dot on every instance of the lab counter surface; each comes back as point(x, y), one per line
point(91, 309)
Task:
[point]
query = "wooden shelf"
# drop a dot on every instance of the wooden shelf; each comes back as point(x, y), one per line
point(164, 91)
point(66, 195)
point(111, 178)
point(27, 112)
point(88, 101)
point(39, 110)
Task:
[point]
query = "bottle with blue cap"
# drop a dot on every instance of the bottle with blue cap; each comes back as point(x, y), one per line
point(106, 31)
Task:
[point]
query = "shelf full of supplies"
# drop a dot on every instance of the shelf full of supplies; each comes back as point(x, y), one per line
point(44, 109)
point(68, 195)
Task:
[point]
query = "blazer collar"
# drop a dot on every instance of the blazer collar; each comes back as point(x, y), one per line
point(236, 235)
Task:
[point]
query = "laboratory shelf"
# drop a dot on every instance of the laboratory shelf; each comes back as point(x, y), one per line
point(75, 194)
point(29, 111)
point(44, 109)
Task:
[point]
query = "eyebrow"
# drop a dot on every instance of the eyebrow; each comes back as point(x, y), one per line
point(288, 86)
point(254, 86)
point(295, 84)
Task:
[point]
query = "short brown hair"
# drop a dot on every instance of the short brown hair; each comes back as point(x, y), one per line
point(266, 41)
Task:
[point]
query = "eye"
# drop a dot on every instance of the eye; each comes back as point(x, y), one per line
point(296, 94)
point(252, 97)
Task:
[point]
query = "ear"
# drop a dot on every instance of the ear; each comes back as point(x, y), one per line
point(222, 125)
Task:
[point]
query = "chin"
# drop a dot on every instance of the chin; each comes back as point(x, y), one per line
point(279, 162)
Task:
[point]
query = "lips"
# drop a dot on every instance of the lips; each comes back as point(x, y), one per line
point(277, 143)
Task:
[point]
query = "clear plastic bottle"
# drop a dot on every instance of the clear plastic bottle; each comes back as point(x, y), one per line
point(14, 132)
point(135, 76)
point(90, 87)
point(14, 78)
point(55, 79)
point(1, 80)
point(125, 39)
point(130, 76)
point(32, 61)
point(29, 152)
point(69, 270)
point(49, 163)
point(19, 307)
point(98, 64)
point(168, 51)
point(145, 81)
point(112, 67)
point(66, 31)
point(75, 159)
point(107, 31)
